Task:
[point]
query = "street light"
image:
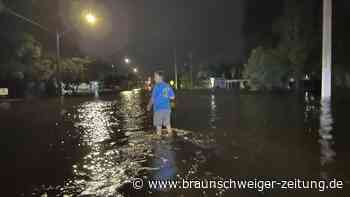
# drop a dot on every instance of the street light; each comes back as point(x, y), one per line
point(89, 19)
point(135, 70)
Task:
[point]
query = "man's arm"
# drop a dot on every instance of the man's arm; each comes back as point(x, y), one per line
point(171, 94)
point(150, 103)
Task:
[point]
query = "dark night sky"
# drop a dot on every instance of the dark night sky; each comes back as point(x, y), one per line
point(220, 31)
point(148, 31)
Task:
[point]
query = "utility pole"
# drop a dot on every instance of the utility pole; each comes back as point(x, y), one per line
point(58, 61)
point(191, 68)
point(327, 51)
point(175, 69)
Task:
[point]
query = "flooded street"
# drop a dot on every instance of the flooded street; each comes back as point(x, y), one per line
point(83, 146)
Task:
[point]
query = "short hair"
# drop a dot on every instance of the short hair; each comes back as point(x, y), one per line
point(160, 73)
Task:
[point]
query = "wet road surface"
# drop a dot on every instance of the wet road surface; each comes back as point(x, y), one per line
point(97, 146)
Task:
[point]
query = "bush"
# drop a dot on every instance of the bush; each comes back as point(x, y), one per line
point(266, 69)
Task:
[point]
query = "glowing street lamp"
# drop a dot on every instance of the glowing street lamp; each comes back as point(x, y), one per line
point(91, 18)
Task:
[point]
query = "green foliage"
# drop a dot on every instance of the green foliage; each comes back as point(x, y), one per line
point(100, 70)
point(21, 52)
point(74, 69)
point(28, 49)
point(27, 58)
point(185, 80)
point(267, 68)
point(43, 69)
point(296, 31)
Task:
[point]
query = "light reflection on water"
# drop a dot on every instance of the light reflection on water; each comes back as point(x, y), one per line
point(112, 162)
point(326, 137)
point(103, 169)
point(131, 111)
point(98, 167)
point(212, 115)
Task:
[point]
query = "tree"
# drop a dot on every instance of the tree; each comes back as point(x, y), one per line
point(44, 69)
point(267, 68)
point(272, 65)
point(74, 70)
point(99, 70)
point(21, 52)
point(296, 29)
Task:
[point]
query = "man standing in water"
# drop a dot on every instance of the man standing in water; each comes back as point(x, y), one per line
point(162, 95)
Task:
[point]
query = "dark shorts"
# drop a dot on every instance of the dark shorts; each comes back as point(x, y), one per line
point(161, 118)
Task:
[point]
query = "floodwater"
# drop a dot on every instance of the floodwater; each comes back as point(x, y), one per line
point(98, 146)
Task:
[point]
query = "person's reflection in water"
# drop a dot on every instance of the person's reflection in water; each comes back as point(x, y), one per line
point(94, 87)
point(326, 138)
point(212, 112)
point(165, 160)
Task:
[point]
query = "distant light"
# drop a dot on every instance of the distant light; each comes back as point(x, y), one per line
point(172, 83)
point(135, 70)
point(307, 77)
point(4, 92)
point(91, 18)
point(126, 93)
point(127, 60)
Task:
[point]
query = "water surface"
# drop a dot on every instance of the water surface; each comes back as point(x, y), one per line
point(96, 146)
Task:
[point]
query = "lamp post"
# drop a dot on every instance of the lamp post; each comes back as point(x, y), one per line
point(89, 18)
point(175, 68)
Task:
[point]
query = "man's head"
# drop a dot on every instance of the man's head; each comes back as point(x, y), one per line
point(158, 76)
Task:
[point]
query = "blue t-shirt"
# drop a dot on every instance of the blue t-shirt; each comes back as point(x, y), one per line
point(161, 95)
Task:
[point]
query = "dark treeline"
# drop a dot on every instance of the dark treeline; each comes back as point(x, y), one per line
point(291, 46)
point(285, 43)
